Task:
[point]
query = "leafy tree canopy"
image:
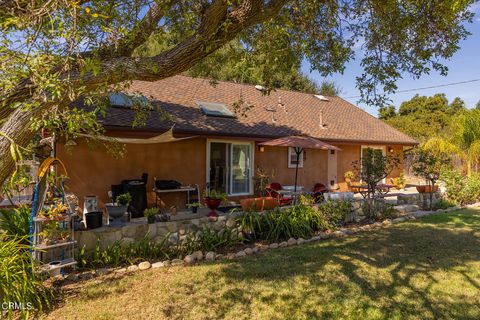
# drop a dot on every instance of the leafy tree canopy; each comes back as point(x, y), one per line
point(423, 117)
point(235, 62)
point(52, 52)
point(330, 88)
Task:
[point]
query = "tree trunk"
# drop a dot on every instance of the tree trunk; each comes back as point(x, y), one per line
point(17, 128)
point(207, 40)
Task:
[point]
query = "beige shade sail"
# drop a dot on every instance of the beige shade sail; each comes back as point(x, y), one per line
point(161, 138)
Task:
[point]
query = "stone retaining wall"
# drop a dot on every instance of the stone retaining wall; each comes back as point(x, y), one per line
point(178, 229)
point(135, 231)
point(422, 200)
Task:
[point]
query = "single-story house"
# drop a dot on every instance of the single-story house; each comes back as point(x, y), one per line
point(222, 150)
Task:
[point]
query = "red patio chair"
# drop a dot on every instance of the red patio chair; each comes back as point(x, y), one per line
point(272, 191)
point(318, 190)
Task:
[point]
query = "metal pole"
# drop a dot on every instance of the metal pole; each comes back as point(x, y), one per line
point(298, 151)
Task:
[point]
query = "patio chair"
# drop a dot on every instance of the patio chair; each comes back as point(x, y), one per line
point(272, 191)
point(318, 190)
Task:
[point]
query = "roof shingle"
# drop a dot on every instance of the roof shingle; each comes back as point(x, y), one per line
point(299, 115)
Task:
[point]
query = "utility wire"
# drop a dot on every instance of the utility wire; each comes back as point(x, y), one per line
point(423, 88)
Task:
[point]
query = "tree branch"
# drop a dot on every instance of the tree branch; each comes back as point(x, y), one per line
point(138, 35)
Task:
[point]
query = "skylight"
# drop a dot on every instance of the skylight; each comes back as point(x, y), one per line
point(323, 98)
point(123, 100)
point(214, 109)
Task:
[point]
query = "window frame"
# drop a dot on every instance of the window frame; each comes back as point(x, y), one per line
point(291, 152)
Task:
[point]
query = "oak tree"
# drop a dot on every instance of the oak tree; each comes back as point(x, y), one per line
point(53, 52)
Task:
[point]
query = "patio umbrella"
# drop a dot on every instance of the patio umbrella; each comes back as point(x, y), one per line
point(299, 143)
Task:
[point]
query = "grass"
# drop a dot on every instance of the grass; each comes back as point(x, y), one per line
point(423, 269)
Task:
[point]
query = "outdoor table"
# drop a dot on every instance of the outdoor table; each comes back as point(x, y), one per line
point(289, 191)
point(186, 189)
point(382, 189)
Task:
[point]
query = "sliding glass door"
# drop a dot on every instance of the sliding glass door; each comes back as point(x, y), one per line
point(230, 167)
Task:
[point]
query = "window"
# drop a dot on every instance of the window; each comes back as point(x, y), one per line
point(292, 158)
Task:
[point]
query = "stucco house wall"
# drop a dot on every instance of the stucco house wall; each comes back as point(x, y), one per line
point(93, 171)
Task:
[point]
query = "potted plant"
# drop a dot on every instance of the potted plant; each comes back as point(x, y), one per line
point(150, 214)
point(212, 200)
point(400, 181)
point(194, 206)
point(117, 209)
point(55, 212)
point(51, 233)
point(349, 175)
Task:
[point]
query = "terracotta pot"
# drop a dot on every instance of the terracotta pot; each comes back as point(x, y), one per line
point(258, 204)
point(426, 189)
point(213, 205)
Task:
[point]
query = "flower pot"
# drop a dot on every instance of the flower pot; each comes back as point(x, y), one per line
point(194, 209)
point(116, 211)
point(426, 188)
point(213, 205)
point(151, 219)
point(54, 272)
point(258, 204)
point(93, 219)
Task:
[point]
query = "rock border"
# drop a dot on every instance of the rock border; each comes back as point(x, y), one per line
point(210, 256)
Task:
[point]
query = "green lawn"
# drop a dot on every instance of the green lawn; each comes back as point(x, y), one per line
point(423, 269)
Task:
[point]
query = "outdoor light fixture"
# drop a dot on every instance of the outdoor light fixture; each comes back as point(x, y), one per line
point(390, 149)
point(261, 148)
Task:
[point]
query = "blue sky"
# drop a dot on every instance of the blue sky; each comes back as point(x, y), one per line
point(464, 65)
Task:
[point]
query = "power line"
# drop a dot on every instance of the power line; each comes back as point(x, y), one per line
point(423, 88)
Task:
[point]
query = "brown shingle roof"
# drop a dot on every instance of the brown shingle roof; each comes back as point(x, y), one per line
point(300, 115)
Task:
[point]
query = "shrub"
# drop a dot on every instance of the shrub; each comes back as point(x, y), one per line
point(120, 254)
point(335, 212)
point(207, 240)
point(18, 282)
point(461, 189)
point(298, 221)
point(443, 204)
point(16, 223)
point(381, 211)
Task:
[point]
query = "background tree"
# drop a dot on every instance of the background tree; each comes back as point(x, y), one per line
point(237, 63)
point(53, 52)
point(461, 139)
point(477, 105)
point(329, 88)
point(385, 113)
point(423, 117)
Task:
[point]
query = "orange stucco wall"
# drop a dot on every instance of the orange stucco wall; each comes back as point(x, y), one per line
point(93, 171)
point(346, 157)
point(276, 158)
